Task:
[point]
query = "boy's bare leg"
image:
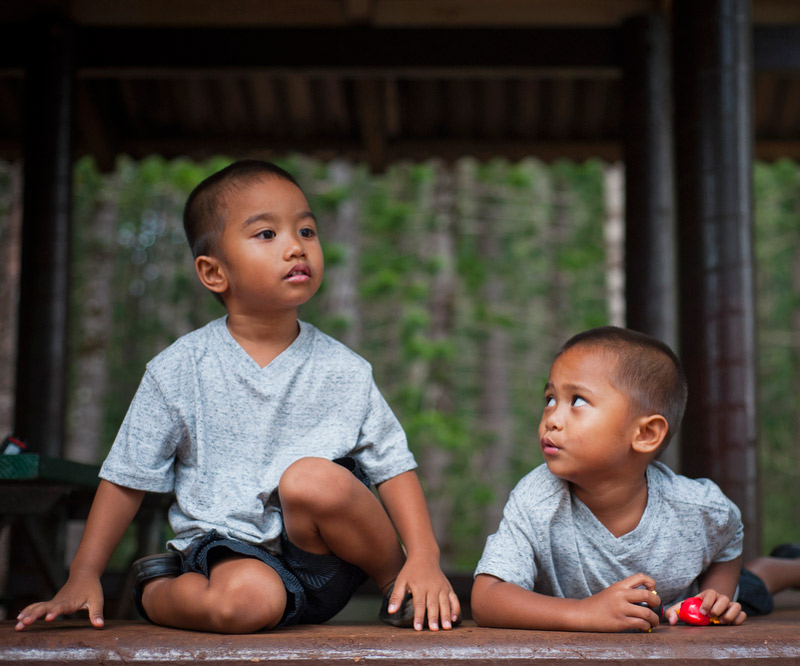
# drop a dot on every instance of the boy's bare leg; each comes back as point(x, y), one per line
point(242, 595)
point(326, 509)
point(777, 573)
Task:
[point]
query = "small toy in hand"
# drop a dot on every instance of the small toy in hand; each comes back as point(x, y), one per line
point(658, 610)
point(690, 613)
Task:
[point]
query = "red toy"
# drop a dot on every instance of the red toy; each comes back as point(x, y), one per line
point(690, 613)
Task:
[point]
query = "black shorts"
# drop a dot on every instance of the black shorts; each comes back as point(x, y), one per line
point(754, 595)
point(317, 586)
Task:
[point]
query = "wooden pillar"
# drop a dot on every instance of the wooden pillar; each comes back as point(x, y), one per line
point(650, 235)
point(44, 276)
point(714, 148)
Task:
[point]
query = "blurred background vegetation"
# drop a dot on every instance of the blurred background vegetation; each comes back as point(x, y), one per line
point(456, 281)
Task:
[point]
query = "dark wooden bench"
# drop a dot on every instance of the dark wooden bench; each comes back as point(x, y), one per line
point(32, 488)
point(764, 641)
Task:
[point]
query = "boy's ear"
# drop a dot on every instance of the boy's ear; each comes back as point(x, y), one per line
point(650, 433)
point(211, 274)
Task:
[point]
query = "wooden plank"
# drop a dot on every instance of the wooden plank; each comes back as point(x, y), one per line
point(766, 641)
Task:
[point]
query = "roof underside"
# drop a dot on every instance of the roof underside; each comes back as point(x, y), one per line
point(375, 80)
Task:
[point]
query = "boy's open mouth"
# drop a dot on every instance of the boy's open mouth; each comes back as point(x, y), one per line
point(299, 273)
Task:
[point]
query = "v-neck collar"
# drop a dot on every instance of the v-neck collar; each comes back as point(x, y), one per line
point(630, 540)
point(297, 348)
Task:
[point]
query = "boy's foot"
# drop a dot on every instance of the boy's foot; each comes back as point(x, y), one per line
point(148, 568)
point(789, 551)
point(403, 616)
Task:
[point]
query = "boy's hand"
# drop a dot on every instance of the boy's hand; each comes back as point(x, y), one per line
point(716, 605)
point(431, 592)
point(80, 592)
point(617, 608)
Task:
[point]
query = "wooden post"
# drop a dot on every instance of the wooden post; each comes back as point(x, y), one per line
point(650, 234)
point(44, 280)
point(714, 148)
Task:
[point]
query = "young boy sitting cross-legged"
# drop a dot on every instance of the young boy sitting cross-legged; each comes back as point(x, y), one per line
point(269, 433)
point(587, 537)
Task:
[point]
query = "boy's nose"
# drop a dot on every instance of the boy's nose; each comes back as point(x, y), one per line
point(553, 420)
point(294, 249)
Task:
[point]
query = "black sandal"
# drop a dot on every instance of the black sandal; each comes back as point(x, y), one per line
point(403, 616)
point(147, 568)
point(789, 551)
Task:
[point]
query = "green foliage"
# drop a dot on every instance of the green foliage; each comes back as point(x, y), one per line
point(777, 242)
point(155, 295)
point(448, 264)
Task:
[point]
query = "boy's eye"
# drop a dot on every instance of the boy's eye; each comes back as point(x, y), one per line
point(308, 232)
point(267, 234)
point(577, 401)
point(549, 401)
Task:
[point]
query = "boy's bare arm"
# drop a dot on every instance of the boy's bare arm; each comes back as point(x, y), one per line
point(113, 509)
point(718, 585)
point(497, 603)
point(421, 575)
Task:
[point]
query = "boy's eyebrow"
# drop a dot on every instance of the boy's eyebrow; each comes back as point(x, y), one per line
point(270, 217)
point(570, 388)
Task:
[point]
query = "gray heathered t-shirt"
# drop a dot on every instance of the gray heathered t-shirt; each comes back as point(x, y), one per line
point(210, 425)
point(549, 541)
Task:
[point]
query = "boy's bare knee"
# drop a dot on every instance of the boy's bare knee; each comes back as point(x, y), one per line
point(248, 602)
point(316, 484)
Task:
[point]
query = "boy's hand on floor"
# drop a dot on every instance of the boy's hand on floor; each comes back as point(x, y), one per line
point(617, 608)
point(431, 591)
point(80, 592)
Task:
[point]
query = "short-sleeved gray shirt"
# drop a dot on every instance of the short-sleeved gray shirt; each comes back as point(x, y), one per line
point(210, 425)
point(550, 542)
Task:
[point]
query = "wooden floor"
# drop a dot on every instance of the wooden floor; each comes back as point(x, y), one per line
point(774, 639)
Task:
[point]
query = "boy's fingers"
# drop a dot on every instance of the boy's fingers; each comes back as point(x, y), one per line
point(730, 614)
point(639, 580)
point(433, 613)
point(31, 613)
point(455, 608)
point(672, 614)
point(450, 609)
point(440, 618)
point(722, 606)
point(419, 614)
point(96, 613)
point(397, 596)
point(640, 596)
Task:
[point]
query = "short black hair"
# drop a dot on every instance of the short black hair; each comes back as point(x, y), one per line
point(647, 370)
point(203, 215)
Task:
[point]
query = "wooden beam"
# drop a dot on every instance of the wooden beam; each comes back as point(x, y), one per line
point(100, 133)
point(203, 146)
point(771, 150)
point(439, 13)
point(372, 121)
point(384, 13)
point(114, 49)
